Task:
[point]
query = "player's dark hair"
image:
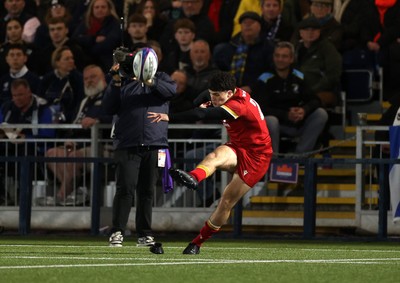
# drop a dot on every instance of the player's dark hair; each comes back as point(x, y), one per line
point(223, 81)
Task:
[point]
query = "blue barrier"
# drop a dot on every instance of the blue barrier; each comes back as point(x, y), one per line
point(25, 189)
point(310, 164)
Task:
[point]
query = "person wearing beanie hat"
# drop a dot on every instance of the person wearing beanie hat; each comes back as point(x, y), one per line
point(320, 62)
point(330, 27)
point(244, 6)
point(250, 15)
point(247, 55)
point(322, 10)
point(309, 23)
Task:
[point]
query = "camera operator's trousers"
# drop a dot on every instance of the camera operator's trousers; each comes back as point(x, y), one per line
point(137, 171)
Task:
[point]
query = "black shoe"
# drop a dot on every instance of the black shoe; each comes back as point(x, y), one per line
point(183, 178)
point(191, 249)
point(157, 248)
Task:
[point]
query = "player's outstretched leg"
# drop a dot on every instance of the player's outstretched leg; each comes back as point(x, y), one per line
point(183, 178)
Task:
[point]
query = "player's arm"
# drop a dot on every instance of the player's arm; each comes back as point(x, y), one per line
point(196, 114)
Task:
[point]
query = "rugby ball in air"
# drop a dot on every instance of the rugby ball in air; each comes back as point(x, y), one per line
point(145, 64)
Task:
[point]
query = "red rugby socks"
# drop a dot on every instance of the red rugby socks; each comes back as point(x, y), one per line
point(200, 173)
point(206, 232)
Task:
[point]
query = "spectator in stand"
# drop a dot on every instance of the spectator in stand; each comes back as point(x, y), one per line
point(16, 59)
point(351, 16)
point(179, 57)
point(14, 36)
point(58, 30)
point(330, 28)
point(319, 61)
point(14, 9)
point(24, 108)
point(247, 55)
point(193, 10)
point(295, 10)
point(221, 13)
point(201, 68)
point(90, 113)
point(155, 22)
point(380, 35)
point(289, 110)
point(56, 9)
point(274, 27)
point(99, 34)
point(63, 86)
point(244, 6)
point(181, 102)
point(135, 31)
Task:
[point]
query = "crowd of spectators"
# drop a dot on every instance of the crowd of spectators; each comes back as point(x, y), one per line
point(50, 42)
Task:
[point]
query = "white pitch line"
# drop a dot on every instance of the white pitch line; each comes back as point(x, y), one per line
point(210, 248)
point(195, 259)
point(331, 261)
point(99, 258)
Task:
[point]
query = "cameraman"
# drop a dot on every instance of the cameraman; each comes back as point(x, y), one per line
point(137, 144)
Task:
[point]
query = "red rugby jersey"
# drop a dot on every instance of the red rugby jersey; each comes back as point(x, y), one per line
point(248, 129)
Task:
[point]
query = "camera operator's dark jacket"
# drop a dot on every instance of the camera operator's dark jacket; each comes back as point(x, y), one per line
point(131, 104)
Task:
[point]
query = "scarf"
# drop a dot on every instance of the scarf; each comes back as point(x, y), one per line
point(239, 61)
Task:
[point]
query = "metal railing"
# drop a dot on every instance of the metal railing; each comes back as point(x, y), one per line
point(179, 148)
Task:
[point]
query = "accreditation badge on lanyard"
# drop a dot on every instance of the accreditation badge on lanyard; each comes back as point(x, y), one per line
point(161, 157)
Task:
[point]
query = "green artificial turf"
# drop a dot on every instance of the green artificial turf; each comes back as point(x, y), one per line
point(89, 259)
